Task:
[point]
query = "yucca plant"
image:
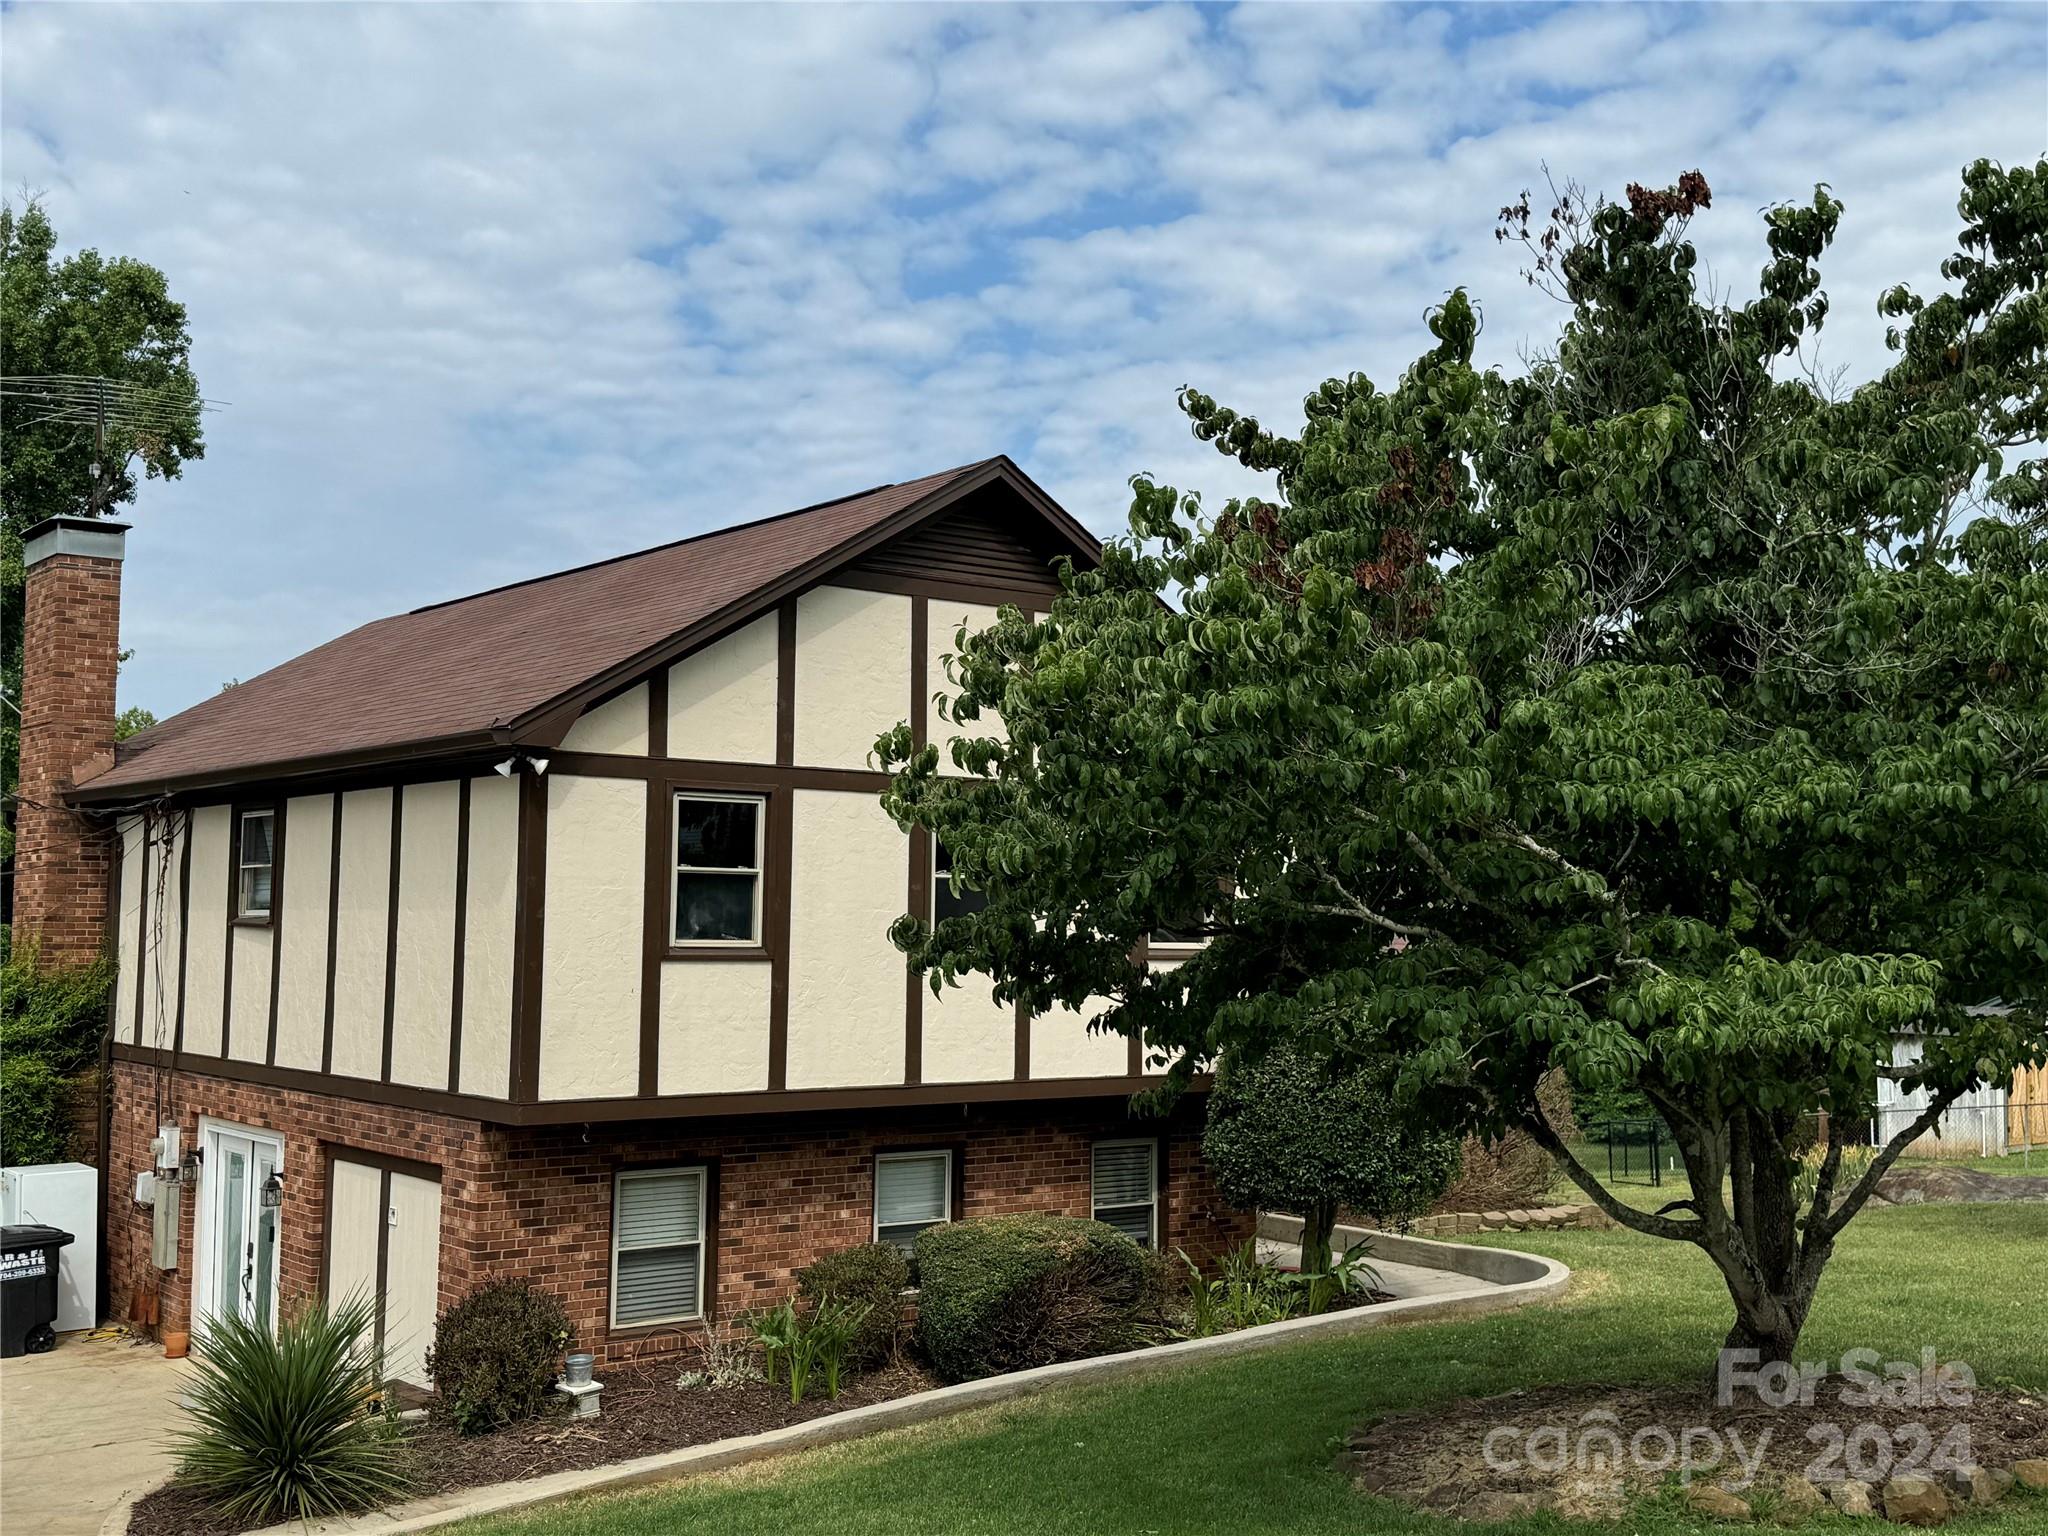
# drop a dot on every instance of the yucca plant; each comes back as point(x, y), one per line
point(290, 1427)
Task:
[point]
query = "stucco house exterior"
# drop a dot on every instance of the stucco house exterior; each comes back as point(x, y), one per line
point(544, 932)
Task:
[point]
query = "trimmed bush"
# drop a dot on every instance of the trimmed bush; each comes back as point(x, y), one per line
point(1295, 1133)
point(1005, 1293)
point(495, 1353)
point(874, 1274)
point(287, 1427)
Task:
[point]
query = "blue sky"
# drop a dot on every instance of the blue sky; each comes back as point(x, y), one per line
point(492, 291)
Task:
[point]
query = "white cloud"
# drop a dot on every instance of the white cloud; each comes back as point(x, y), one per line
point(494, 290)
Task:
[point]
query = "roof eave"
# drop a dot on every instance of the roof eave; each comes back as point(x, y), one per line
point(93, 794)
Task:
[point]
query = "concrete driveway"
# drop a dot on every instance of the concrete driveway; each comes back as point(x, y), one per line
point(82, 1428)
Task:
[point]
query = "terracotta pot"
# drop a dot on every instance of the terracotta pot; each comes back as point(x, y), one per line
point(177, 1342)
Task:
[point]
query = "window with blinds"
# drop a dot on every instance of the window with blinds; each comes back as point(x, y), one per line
point(913, 1190)
point(657, 1246)
point(1126, 1183)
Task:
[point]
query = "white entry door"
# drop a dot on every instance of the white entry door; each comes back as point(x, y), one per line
point(237, 1236)
point(384, 1243)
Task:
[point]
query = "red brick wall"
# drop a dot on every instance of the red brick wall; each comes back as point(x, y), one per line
point(71, 642)
point(538, 1202)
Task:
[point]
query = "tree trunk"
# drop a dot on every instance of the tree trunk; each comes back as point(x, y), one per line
point(1316, 1225)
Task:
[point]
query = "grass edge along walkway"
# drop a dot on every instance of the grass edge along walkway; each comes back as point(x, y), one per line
point(1247, 1446)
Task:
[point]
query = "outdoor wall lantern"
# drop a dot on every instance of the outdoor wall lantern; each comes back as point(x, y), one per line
point(272, 1193)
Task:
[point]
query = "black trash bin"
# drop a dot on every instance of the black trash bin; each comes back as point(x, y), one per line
point(28, 1288)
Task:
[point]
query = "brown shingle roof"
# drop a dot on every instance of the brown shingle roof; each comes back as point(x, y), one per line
point(447, 677)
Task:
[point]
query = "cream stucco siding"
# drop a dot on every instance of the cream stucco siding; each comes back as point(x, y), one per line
point(714, 1026)
point(618, 726)
point(206, 919)
point(307, 893)
point(424, 978)
point(128, 934)
point(846, 1016)
point(852, 673)
point(1063, 1046)
point(721, 700)
point(163, 982)
point(968, 1037)
point(944, 618)
point(249, 1006)
point(590, 957)
point(487, 936)
point(362, 933)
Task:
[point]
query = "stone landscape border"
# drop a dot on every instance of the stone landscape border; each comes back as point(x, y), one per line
point(1502, 1279)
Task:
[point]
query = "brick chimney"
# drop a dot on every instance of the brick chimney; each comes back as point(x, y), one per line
point(71, 649)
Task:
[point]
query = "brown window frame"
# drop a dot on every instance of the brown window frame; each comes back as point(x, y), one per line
point(238, 814)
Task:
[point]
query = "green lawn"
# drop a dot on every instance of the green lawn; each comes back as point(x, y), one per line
point(1246, 1447)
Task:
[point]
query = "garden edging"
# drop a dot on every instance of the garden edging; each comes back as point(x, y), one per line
point(1502, 1279)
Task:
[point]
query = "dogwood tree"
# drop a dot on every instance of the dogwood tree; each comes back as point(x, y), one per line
point(1652, 711)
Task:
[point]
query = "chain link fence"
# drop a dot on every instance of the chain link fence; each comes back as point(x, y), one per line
point(2015, 1128)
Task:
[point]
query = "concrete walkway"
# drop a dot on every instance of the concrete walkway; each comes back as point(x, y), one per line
point(1402, 1280)
point(81, 1429)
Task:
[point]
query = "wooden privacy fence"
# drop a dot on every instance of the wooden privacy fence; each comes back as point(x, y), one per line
point(2026, 1111)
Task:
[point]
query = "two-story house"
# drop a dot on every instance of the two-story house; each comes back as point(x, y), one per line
point(544, 932)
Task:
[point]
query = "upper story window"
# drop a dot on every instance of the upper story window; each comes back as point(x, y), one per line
point(254, 841)
point(949, 899)
point(718, 869)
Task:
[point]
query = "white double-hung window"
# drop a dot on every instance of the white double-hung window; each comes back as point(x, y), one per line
point(254, 836)
point(658, 1245)
point(1126, 1189)
point(718, 846)
point(913, 1190)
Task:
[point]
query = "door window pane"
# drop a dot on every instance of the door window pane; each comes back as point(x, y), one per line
point(229, 1256)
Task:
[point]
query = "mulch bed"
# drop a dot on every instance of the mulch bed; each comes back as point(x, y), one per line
point(1438, 1460)
point(644, 1412)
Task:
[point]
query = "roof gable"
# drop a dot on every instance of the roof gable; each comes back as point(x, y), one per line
point(518, 662)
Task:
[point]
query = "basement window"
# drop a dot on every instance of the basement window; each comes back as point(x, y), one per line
point(254, 842)
point(718, 869)
point(1126, 1189)
point(913, 1190)
point(657, 1246)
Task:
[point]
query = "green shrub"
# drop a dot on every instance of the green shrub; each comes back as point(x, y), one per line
point(1004, 1293)
point(35, 1120)
point(287, 1427)
point(494, 1355)
point(874, 1274)
point(50, 1026)
point(1294, 1133)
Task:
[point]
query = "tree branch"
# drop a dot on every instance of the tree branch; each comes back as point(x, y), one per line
point(1880, 1165)
point(1538, 1126)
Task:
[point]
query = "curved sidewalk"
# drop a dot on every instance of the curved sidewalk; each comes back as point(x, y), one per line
point(1432, 1280)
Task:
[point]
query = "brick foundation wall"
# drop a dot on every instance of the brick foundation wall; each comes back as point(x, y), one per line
point(538, 1202)
point(71, 645)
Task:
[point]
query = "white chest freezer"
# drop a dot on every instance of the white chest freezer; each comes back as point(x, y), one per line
point(65, 1195)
